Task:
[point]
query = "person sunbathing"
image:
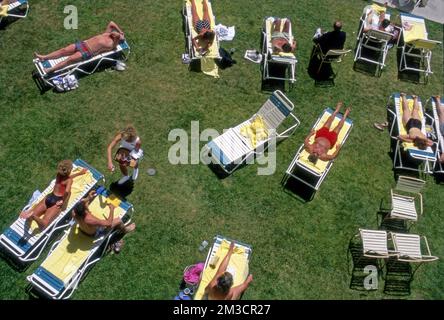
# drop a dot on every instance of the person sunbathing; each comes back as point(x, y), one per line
point(205, 36)
point(220, 288)
point(280, 41)
point(128, 154)
point(51, 206)
point(84, 50)
point(413, 125)
point(440, 110)
point(94, 227)
point(325, 138)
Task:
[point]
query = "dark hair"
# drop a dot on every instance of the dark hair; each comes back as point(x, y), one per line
point(80, 209)
point(208, 35)
point(385, 23)
point(224, 282)
point(337, 26)
point(313, 158)
point(420, 143)
point(286, 47)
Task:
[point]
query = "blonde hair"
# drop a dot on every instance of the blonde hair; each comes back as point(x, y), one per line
point(64, 168)
point(129, 133)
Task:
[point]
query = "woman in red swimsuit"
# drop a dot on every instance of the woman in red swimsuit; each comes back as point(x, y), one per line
point(325, 138)
point(52, 204)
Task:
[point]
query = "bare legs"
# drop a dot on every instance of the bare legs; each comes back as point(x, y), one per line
point(194, 13)
point(330, 120)
point(407, 114)
point(439, 108)
point(66, 51)
point(206, 12)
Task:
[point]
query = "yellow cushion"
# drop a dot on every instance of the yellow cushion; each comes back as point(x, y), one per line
point(418, 31)
point(402, 129)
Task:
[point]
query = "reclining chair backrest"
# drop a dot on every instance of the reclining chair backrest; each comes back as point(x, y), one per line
point(379, 35)
point(424, 44)
point(409, 184)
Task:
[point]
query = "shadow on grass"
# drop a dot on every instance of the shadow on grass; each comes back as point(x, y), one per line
point(275, 70)
point(410, 75)
point(398, 278)
point(122, 190)
point(6, 21)
point(358, 264)
point(297, 189)
point(322, 75)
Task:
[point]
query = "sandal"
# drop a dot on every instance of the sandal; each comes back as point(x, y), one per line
point(117, 247)
point(381, 126)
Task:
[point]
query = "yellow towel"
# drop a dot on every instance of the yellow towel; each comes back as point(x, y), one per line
point(209, 67)
point(238, 265)
point(72, 251)
point(320, 165)
point(3, 11)
point(379, 9)
point(255, 131)
point(78, 186)
point(418, 31)
point(402, 129)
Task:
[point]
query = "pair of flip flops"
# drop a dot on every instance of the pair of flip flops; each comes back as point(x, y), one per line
point(116, 247)
point(381, 126)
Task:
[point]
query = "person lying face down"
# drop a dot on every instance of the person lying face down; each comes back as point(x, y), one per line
point(205, 36)
point(85, 50)
point(325, 138)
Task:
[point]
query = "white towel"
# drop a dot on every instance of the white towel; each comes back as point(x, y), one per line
point(225, 33)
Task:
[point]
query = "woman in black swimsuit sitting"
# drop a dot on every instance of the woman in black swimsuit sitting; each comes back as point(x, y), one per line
point(52, 204)
point(203, 41)
point(413, 124)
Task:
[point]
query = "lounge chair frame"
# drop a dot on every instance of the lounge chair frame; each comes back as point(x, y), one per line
point(332, 55)
point(233, 146)
point(12, 8)
point(23, 251)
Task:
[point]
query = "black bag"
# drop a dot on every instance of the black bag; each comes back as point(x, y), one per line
point(226, 60)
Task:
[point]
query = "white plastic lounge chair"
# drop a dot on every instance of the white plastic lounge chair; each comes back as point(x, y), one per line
point(71, 257)
point(408, 247)
point(190, 31)
point(307, 172)
point(416, 53)
point(433, 113)
point(231, 149)
point(86, 67)
point(373, 45)
point(270, 58)
point(238, 265)
point(374, 244)
point(15, 9)
point(23, 243)
point(404, 199)
point(418, 160)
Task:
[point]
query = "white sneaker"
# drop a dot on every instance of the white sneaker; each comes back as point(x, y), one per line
point(318, 33)
point(123, 180)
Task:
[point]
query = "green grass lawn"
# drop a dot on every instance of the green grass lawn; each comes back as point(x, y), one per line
point(300, 249)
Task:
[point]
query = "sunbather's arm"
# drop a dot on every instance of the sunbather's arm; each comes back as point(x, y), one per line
point(405, 138)
point(236, 292)
point(110, 148)
point(307, 144)
point(222, 267)
point(95, 222)
point(82, 172)
point(112, 26)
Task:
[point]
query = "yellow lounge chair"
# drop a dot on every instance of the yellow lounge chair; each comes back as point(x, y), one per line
point(75, 253)
point(238, 265)
point(307, 172)
point(24, 243)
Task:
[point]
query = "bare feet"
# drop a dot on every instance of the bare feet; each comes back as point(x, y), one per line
point(339, 106)
point(26, 214)
point(347, 112)
point(39, 56)
point(129, 228)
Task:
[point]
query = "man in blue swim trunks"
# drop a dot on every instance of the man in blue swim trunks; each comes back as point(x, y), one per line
point(84, 50)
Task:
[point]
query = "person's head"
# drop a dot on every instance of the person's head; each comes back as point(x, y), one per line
point(116, 36)
point(385, 23)
point(421, 143)
point(287, 47)
point(208, 35)
point(129, 133)
point(337, 26)
point(64, 168)
point(80, 209)
point(224, 282)
point(317, 151)
point(313, 158)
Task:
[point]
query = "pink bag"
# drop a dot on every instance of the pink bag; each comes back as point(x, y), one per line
point(191, 274)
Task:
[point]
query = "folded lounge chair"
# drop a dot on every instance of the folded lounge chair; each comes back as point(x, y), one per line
point(416, 48)
point(17, 9)
point(307, 172)
point(71, 257)
point(46, 81)
point(373, 45)
point(231, 149)
point(270, 58)
point(23, 243)
point(417, 160)
point(433, 113)
point(238, 265)
point(190, 31)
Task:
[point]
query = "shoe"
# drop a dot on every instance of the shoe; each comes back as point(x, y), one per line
point(381, 126)
point(117, 247)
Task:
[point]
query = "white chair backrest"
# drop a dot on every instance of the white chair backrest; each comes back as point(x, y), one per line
point(374, 242)
point(407, 246)
point(275, 109)
point(379, 35)
point(335, 55)
point(409, 184)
